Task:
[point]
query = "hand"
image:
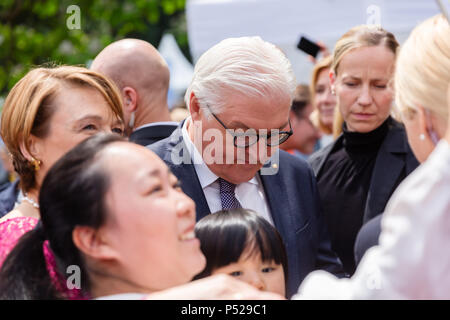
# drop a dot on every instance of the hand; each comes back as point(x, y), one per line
point(323, 49)
point(217, 287)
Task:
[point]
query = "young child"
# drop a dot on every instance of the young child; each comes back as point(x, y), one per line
point(244, 245)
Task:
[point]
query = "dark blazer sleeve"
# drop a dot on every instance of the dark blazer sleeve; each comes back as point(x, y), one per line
point(367, 237)
point(317, 159)
point(295, 206)
point(326, 258)
point(8, 198)
point(149, 135)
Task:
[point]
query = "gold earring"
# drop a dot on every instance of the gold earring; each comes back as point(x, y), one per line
point(36, 164)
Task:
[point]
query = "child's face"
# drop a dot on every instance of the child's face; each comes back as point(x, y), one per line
point(262, 275)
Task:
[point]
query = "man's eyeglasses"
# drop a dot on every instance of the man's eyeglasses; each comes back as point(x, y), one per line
point(250, 137)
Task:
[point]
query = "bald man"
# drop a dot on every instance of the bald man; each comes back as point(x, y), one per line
point(142, 76)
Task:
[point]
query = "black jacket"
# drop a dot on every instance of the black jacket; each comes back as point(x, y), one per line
point(8, 197)
point(148, 135)
point(394, 156)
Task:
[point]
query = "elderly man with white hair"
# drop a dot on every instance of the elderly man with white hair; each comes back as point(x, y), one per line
point(226, 154)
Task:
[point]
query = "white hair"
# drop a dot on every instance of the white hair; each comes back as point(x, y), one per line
point(248, 66)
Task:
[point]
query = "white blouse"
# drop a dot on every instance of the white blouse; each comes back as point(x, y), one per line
point(412, 260)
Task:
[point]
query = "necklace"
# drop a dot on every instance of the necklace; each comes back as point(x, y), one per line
point(31, 201)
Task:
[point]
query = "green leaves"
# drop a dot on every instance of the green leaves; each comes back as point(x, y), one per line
point(33, 32)
point(45, 9)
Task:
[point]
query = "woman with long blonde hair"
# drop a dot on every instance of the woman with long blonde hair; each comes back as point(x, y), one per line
point(323, 100)
point(358, 172)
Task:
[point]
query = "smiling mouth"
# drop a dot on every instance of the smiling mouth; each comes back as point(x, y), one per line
point(187, 236)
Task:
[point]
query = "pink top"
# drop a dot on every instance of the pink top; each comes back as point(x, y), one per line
point(12, 230)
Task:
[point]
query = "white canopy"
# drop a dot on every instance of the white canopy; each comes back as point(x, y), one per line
point(282, 22)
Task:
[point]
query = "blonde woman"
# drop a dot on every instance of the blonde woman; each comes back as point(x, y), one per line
point(357, 173)
point(323, 100)
point(411, 261)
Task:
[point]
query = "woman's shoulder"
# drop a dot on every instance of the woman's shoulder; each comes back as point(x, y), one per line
point(14, 227)
point(396, 129)
point(396, 142)
point(317, 159)
point(15, 219)
point(13, 214)
point(11, 230)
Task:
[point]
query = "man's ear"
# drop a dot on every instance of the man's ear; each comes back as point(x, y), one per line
point(194, 108)
point(293, 118)
point(92, 243)
point(130, 98)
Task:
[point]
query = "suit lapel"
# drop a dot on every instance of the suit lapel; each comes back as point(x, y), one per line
point(318, 160)
point(191, 186)
point(185, 172)
point(275, 191)
point(388, 167)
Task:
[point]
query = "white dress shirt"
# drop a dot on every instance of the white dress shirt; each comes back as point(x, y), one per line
point(412, 260)
point(250, 194)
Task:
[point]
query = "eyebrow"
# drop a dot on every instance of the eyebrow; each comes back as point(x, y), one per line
point(90, 117)
point(358, 78)
point(157, 172)
point(97, 118)
point(240, 124)
point(118, 122)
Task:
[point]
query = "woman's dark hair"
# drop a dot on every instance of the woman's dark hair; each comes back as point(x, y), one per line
point(71, 195)
point(226, 234)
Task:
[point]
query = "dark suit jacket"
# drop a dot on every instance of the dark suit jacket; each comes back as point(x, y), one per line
point(394, 157)
point(367, 237)
point(148, 135)
point(294, 205)
point(8, 197)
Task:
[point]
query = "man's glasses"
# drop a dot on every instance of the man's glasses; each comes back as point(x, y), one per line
point(250, 137)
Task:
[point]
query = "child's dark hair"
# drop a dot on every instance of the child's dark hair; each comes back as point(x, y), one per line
point(226, 234)
point(73, 193)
